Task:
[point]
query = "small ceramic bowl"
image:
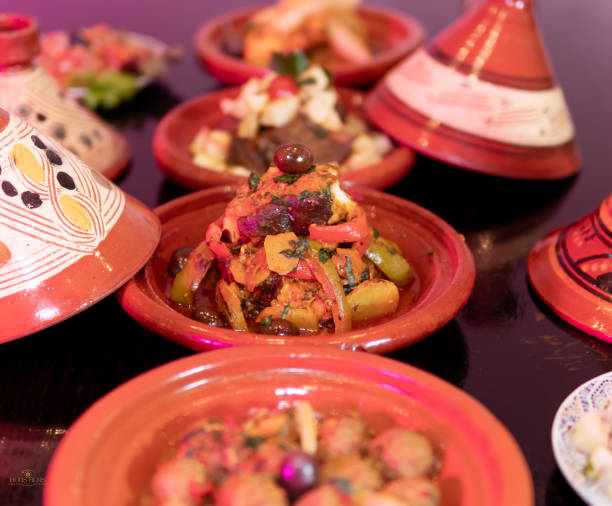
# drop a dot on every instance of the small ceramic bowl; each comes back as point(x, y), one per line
point(593, 394)
point(398, 33)
point(443, 266)
point(178, 127)
point(109, 455)
point(571, 270)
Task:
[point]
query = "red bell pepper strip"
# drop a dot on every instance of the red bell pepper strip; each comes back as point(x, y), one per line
point(327, 276)
point(354, 230)
point(302, 271)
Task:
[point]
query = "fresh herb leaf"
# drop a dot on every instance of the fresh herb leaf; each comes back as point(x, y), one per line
point(391, 252)
point(288, 253)
point(253, 441)
point(287, 178)
point(307, 80)
point(286, 203)
point(343, 484)
point(327, 190)
point(323, 256)
point(375, 233)
point(330, 78)
point(365, 275)
point(299, 249)
point(430, 251)
point(320, 133)
point(273, 196)
point(350, 275)
point(292, 64)
point(285, 311)
point(253, 181)
point(266, 322)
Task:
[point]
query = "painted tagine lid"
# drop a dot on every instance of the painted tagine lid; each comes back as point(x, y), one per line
point(482, 96)
point(571, 270)
point(28, 92)
point(68, 237)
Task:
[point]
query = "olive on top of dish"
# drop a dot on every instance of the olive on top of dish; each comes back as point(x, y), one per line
point(295, 455)
point(295, 102)
point(292, 254)
point(330, 33)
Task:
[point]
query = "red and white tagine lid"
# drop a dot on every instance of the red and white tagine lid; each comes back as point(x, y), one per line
point(68, 236)
point(28, 92)
point(571, 270)
point(482, 96)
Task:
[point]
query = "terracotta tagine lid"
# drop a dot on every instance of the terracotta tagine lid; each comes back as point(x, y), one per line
point(482, 96)
point(68, 236)
point(25, 90)
point(571, 270)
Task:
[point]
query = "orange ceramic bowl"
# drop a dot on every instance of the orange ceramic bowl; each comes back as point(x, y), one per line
point(443, 266)
point(398, 34)
point(109, 455)
point(178, 127)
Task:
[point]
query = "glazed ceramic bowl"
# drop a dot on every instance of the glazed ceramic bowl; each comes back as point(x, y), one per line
point(109, 455)
point(68, 236)
point(28, 92)
point(398, 33)
point(443, 266)
point(468, 101)
point(178, 127)
point(571, 270)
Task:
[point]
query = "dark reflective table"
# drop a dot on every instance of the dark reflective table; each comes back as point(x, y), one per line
point(505, 348)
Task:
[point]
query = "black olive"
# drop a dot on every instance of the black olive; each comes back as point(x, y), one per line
point(208, 316)
point(177, 260)
point(298, 473)
point(293, 158)
point(279, 327)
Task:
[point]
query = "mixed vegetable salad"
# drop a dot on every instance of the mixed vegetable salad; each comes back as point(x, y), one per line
point(296, 102)
point(277, 457)
point(292, 254)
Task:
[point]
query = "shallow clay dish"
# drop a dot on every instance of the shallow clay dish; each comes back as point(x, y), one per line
point(109, 455)
point(178, 127)
point(68, 236)
point(571, 270)
point(399, 34)
point(467, 100)
point(443, 265)
point(592, 394)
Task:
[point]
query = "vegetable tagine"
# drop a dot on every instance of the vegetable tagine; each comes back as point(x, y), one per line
point(330, 33)
point(295, 103)
point(296, 456)
point(292, 254)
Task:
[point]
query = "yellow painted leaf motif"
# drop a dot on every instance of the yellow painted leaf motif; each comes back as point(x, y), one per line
point(76, 213)
point(27, 163)
point(5, 254)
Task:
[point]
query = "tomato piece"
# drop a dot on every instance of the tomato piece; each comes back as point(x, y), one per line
point(281, 87)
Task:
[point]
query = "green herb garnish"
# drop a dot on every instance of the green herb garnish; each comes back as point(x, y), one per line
point(320, 133)
point(266, 322)
point(307, 80)
point(323, 256)
point(292, 64)
point(350, 275)
point(391, 252)
point(285, 311)
point(287, 178)
point(299, 249)
point(375, 233)
point(253, 181)
point(365, 275)
point(330, 78)
point(253, 441)
point(430, 251)
point(343, 484)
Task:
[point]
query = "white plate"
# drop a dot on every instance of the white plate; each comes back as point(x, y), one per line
point(590, 395)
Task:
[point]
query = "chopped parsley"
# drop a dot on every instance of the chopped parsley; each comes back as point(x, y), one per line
point(323, 256)
point(330, 78)
point(343, 484)
point(266, 322)
point(253, 181)
point(307, 80)
point(299, 249)
point(350, 275)
point(292, 178)
point(430, 251)
point(391, 252)
point(292, 64)
point(320, 133)
point(365, 275)
point(375, 233)
point(285, 311)
point(253, 441)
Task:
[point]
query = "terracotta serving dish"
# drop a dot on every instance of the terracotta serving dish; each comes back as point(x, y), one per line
point(571, 270)
point(398, 33)
point(443, 265)
point(68, 237)
point(28, 92)
point(469, 101)
point(178, 127)
point(109, 455)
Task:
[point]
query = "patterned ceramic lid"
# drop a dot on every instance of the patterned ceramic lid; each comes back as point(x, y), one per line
point(68, 236)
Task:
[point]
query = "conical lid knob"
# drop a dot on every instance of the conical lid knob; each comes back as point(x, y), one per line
point(482, 96)
point(28, 92)
point(571, 270)
point(68, 236)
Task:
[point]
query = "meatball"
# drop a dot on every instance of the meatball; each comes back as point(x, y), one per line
point(403, 453)
point(181, 479)
point(341, 435)
point(416, 491)
point(361, 474)
point(250, 490)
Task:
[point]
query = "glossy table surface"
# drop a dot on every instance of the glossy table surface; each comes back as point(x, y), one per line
point(505, 348)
